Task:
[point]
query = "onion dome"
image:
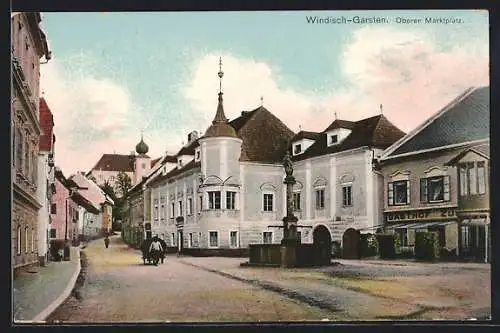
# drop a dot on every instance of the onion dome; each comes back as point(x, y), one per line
point(142, 148)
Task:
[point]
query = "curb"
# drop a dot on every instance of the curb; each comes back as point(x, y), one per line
point(64, 295)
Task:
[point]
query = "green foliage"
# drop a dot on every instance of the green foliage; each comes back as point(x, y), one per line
point(397, 243)
point(388, 245)
point(109, 190)
point(368, 245)
point(123, 183)
point(427, 245)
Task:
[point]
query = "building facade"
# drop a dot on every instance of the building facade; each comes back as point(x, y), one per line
point(226, 191)
point(421, 186)
point(28, 46)
point(64, 210)
point(45, 179)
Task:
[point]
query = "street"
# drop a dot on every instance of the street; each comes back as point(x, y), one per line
point(119, 288)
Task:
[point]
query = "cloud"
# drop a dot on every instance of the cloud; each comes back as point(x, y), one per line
point(404, 70)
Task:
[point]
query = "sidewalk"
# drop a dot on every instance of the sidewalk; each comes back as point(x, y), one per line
point(36, 295)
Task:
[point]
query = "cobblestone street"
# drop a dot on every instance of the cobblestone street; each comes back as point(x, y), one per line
point(119, 288)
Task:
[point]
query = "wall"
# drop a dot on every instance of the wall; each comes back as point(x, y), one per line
point(59, 218)
point(44, 211)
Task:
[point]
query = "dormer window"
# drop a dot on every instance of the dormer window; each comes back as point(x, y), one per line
point(334, 138)
point(180, 163)
point(297, 149)
point(197, 155)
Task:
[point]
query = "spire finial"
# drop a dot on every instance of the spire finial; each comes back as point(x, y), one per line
point(142, 133)
point(381, 109)
point(335, 113)
point(300, 128)
point(221, 74)
point(261, 101)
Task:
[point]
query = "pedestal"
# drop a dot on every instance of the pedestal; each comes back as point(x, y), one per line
point(288, 256)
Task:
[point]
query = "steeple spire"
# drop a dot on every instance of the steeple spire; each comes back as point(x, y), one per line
point(220, 126)
point(381, 110)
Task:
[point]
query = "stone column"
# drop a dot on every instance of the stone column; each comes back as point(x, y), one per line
point(290, 241)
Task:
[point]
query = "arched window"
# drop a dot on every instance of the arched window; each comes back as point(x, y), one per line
point(19, 240)
point(26, 240)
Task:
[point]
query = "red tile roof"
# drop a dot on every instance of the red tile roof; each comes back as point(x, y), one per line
point(114, 162)
point(47, 126)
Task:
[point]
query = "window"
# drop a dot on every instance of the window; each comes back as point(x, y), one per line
point(403, 236)
point(26, 240)
point(199, 239)
point(230, 200)
point(53, 208)
point(297, 149)
point(399, 193)
point(162, 212)
point(299, 235)
point(214, 200)
point(267, 237)
point(200, 204)
point(334, 138)
point(198, 155)
point(19, 236)
point(233, 239)
point(53, 233)
point(32, 240)
point(190, 206)
point(472, 178)
point(172, 210)
point(435, 189)
point(320, 198)
point(143, 166)
point(213, 237)
point(296, 201)
point(268, 202)
point(347, 195)
point(465, 237)
point(173, 239)
point(190, 240)
point(19, 149)
point(34, 167)
point(181, 212)
point(481, 178)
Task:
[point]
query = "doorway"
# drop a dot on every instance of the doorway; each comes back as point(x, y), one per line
point(322, 243)
point(350, 244)
point(180, 241)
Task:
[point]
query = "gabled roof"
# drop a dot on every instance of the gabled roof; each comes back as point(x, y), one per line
point(82, 201)
point(265, 137)
point(47, 126)
point(481, 150)
point(114, 162)
point(375, 132)
point(305, 135)
point(463, 120)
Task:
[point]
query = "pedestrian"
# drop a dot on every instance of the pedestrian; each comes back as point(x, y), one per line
point(106, 241)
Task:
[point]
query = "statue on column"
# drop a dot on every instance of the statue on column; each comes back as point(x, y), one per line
point(287, 163)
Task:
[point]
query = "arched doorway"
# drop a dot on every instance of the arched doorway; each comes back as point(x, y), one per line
point(322, 242)
point(350, 244)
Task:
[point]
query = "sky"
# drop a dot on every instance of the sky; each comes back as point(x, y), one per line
point(114, 74)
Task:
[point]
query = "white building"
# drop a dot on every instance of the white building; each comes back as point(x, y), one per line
point(45, 179)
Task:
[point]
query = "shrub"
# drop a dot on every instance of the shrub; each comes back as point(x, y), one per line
point(368, 245)
point(427, 245)
point(388, 245)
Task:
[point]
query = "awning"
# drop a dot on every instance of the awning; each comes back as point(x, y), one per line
point(418, 225)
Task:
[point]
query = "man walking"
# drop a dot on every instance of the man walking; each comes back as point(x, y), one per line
point(155, 250)
point(106, 241)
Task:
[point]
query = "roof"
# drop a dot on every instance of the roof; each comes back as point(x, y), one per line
point(220, 126)
point(376, 132)
point(482, 150)
point(265, 137)
point(47, 125)
point(465, 119)
point(82, 201)
point(156, 160)
point(177, 171)
point(305, 135)
point(188, 149)
point(114, 162)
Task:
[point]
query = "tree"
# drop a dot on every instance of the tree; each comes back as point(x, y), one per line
point(109, 190)
point(123, 183)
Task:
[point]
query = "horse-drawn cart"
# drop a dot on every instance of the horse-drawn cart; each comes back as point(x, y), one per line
point(151, 257)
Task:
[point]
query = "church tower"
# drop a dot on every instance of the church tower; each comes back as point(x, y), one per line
point(142, 162)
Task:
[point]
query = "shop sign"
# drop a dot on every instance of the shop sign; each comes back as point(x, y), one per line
point(434, 214)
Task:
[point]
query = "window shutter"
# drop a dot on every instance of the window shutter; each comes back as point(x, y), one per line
point(407, 191)
point(423, 189)
point(446, 188)
point(390, 194)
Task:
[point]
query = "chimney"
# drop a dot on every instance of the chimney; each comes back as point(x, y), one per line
point(244, 112)
point(192, 137)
